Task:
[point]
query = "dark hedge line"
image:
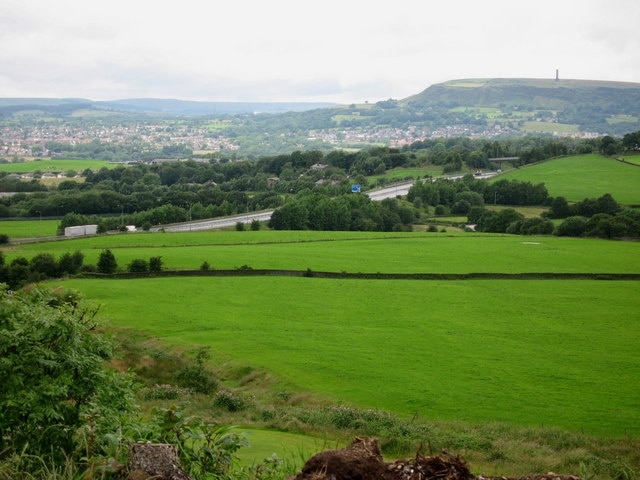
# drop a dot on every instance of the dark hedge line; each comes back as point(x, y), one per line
point(249, 272)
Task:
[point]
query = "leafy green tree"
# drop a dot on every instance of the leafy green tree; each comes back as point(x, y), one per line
point(500, 221)
point(138, 265)
point(155, 264)
point(107, 262)
point(70, 263)
point(571, 227)
point(71, 220)
point(44, 263)
point(53, 375)
point(291, 216)
point(559, 208)
point(18, 272)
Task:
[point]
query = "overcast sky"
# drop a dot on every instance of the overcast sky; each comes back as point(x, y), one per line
point(305, 50)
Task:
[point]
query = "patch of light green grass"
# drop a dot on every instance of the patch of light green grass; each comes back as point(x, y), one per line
point(531, 353)
point(416, 252)
point(549, 127)
point(17, 229)
point(583, 176)
point(56, 165)
point(615, 119)
point(285, 445)
point(402, 173)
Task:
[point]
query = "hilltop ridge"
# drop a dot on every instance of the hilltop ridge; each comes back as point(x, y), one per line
point(473, 108)
point(619, 97)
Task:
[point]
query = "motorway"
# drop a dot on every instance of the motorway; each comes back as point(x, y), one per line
point(390, 191)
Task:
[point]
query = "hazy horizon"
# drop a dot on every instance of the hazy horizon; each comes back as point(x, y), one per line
point(288, 51)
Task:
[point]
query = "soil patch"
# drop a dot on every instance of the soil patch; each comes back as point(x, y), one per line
point(362, 460)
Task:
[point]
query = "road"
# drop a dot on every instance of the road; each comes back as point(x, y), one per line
point(392, 191)
point(215, 223)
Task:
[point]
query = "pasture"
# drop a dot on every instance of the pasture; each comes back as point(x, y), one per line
point(582, 176)
point(17, 229)
point(398, 174)
point(365, 252)
point(55, 166)
point(526, 352)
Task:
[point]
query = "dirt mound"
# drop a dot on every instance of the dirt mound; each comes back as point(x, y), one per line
point(362, 460)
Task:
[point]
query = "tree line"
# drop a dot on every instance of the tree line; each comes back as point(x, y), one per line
point(169, 192)
point(44, 266)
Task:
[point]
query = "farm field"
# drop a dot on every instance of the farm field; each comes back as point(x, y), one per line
point(17, 229)
point(401, 173)
point(355, 252)
point(526, 352)
point(582, 176)
point(55, 165)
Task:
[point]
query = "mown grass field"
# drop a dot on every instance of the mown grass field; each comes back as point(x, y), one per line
point(355, 252)
point(54, 165)
point(583, 176)
point(525, 352)
point(17, 229)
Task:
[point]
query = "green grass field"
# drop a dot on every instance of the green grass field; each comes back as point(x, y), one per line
point(549, 127)
point(55, 165)
point(17, 229)
point(530, 353)
point(402, 173)
point(265, 443)
point(354, 252)
point(583, 176)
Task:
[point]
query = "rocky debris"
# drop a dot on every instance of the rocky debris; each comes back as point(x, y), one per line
point(362, 460)
point(548, 476)
point(155, 461)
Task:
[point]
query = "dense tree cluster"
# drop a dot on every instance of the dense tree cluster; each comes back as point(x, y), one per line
point(592, 217)
point(345, 212)
point(42, 266)
point(460, 196)
point(599, 217)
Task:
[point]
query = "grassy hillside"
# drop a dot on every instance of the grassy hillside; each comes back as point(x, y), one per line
point(538, 105)
point(536, 93)
point(583, 176)
point(519, 352)
point(357, 252)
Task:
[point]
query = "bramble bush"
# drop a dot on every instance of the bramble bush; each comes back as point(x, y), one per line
point(54, 382)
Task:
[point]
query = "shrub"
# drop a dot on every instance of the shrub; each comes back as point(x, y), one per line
point(54, 380)
point(163, 392)
point(441, 210)
point(138, 265)
point(230, 401)
point(571, 227)
point(155, 264)
point(196, 377)
point(107, 262)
